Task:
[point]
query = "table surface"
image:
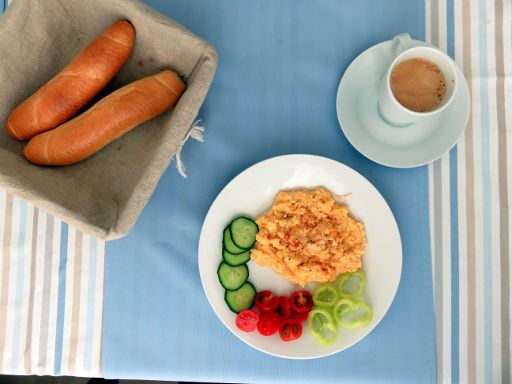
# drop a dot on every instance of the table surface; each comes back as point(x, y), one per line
point(69, 304)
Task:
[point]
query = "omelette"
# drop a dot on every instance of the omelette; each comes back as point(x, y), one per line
point(307, 237)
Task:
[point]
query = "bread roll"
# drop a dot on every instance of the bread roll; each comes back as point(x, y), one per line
point(73, 87)
point(107, 120)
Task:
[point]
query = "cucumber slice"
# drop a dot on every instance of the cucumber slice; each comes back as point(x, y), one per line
point(236, 260)
point(232, 278)
point(243, 232)
point(242, 298)
point(228, 245)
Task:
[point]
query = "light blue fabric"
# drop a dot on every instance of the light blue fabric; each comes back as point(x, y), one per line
point(280, 63)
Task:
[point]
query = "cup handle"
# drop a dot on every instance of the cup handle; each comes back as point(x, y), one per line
point(400, 43)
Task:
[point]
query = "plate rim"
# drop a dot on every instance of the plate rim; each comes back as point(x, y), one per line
point(314, 157)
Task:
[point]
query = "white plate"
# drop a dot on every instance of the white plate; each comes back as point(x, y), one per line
point(399, 147)
point(251, 193)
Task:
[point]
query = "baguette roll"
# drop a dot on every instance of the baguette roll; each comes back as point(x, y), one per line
point(73, 87)
point(105, 121)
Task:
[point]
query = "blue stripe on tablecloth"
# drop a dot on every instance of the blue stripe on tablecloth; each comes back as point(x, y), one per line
point(454, 220)
point(450, 33)
point(91, 302)
point(62, 297)
point(20, 282)
point(486, 196)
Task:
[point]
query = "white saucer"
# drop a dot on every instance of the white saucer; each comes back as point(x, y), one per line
point(399, 147)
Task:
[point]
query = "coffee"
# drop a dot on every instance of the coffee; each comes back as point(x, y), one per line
point(418, 84)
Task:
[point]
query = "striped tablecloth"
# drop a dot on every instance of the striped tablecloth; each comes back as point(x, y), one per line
point(51, 294)
point(51, 275)
point(471, 199)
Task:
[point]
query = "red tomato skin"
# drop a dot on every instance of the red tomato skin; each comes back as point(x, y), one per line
point(284, 308)
point(247, 320)
point(290, 329)
point(269, 323)
point(303, 316)
point(266, 301)
point(301, 301)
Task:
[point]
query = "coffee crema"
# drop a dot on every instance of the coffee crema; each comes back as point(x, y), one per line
point(418, 84)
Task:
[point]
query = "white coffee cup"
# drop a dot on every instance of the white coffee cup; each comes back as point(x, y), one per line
point(390, 108)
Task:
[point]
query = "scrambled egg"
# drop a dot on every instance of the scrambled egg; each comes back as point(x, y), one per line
point(307, 237)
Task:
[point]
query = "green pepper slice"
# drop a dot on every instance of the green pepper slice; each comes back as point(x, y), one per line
point(352, 284)
point(351, 313)
point(322, 326)
point(325, 295)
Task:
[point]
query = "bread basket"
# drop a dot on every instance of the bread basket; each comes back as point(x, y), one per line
point(105, 194)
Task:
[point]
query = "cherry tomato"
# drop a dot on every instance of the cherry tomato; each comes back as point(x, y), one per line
point(247, 320)
point(266, 301)
point(269, 323)
point(301, 301)
point(291, 329)
point(300, 316)
point(284, 308)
